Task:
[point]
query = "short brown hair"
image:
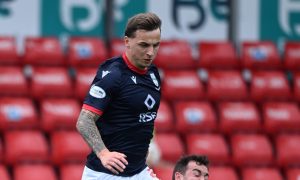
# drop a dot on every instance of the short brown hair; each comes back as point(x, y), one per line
point(146, 21)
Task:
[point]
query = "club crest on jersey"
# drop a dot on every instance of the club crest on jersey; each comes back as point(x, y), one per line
point(97, 92)
point(155, 81)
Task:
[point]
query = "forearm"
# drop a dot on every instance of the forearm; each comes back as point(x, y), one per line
point(86, 125)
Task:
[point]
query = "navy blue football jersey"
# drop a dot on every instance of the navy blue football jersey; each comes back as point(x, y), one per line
point(128, 100)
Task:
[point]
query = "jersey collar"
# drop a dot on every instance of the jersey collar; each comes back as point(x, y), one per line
point(132, 67)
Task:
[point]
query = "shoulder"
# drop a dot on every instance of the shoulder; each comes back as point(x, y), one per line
point(112, 67)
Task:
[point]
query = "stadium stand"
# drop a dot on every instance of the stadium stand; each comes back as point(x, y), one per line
point(8, 51)
point(217, 55)
point(291, 55)
point(34, 172)
point(219, 172)
point(237, 117)
point(83, 79)
point(261, 174)
point(45, 51)
point(164, 121)
point(71, 171)
point(288, 150)
point(86, 51)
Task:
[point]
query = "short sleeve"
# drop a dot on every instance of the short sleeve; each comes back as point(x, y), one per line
point(101, 90)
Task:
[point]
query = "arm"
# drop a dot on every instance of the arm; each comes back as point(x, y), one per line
point(86, 126)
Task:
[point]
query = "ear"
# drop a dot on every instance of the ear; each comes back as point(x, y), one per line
point(126, 41)
point(178, 176)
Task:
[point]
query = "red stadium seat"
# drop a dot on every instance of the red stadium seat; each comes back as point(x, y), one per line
point(293, 174)
point(25, 146)
point(68, 147)
point(253, 173)
point(175, 54)
point(51, 82)
point(239, 117)
point(292, 55)
point(8, 51)
point(163, 172)
point(1, 152)
point(12, 82)
point(43, 51)
point(17, 113)
point(296, 89)
point(281, 117)
point(4, 173)
point(86, 51)
point(34, 172)
point(260, 55)
point(221, 172)
point(220, 55)
point(251, 149)
point(269, 85)
point(117, 47)
point(164, 121)
point(59, 114)
point(71, 172)
point(288, 150)
point(182, 85)
point(212, 145)
point(83, 80)
point(166, 143)
point(194, 116)
point(226, 85)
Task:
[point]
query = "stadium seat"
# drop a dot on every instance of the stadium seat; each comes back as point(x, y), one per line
point(281, 117)
point(86, 51)
point(25, 146)
point(117, 47)
point(253, 173)
point(18, 113)
point(68, 147)
point(84, 78)
point(12, 82)
point(212, 145)
point(251, 149)
point(34, 172)
point(8, 51)
point(164, 121)
point(194, 116)
point(288, 150)
point(4, 175)
point(71, 171)
point(239, 117)
point(292, 173)
point(222, 172)
point(175, 54)
point(43, 51)
point(59, 114)
point(217, 55)
point(296, 89)
point(260, 55)
point(166, 143)
point(182, 85)
point(226, 85)
point(269, 85)
point(50, 82)
point(1, 152)
point(164, 172)
point(291, 56)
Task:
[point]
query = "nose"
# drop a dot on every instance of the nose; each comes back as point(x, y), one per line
point(150, 51)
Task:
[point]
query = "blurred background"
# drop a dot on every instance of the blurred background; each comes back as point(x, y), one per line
point(230, 84)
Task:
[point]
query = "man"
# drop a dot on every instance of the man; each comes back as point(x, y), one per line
point(117, 117)
point(191, 167)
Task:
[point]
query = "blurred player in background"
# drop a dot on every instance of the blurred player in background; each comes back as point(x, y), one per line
point(117, 117)
point(191, 167)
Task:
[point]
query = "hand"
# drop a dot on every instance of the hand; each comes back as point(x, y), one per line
point(113, 161)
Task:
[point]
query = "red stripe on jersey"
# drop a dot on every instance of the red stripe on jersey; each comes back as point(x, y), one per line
point(132, 67)
point(91, 108)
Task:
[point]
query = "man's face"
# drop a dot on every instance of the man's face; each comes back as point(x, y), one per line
point(193, 172)
point(142, 49)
